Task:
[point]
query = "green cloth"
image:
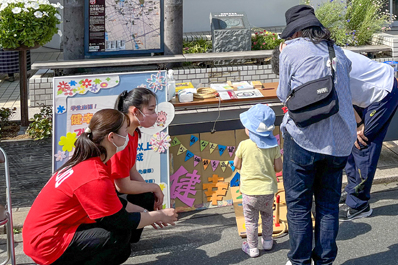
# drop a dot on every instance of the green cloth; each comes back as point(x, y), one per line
point(257, 174)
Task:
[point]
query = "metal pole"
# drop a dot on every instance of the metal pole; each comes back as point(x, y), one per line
point(23, 87)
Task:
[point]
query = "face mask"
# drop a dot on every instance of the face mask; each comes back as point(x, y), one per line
point(149, 119)
point(126, 141)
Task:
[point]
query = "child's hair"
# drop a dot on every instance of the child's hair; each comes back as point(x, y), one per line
point(137, 97)
point(88, 143)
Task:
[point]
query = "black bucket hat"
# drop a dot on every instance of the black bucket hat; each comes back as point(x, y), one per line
point(298, 18)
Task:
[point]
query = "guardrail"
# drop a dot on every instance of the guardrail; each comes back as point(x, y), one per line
point(163, 60)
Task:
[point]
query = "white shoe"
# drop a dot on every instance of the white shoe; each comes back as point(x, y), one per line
point(252, 252)
point(267, 244)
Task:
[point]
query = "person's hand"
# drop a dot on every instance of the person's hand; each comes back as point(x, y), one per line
point(160, 224)
point(169, 216)
point(361, 136)
point(158, 198)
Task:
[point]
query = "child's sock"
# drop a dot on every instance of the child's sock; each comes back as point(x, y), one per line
point(252, 252)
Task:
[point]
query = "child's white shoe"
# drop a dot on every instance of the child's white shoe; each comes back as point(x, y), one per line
point(267, 244)
point(252, 252)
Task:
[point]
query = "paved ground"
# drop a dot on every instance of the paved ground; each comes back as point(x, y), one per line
point(211, 237)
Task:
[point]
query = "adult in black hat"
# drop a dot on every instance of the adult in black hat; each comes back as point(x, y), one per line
point(315, 155)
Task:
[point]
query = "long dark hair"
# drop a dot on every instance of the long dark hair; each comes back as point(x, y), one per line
point(138, 97)
point(317, 34)
point(88, 143)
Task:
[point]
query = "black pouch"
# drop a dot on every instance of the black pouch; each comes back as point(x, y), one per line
point(315, 100)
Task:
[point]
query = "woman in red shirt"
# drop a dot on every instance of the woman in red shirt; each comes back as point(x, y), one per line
point(140, 106)
point(77, 218)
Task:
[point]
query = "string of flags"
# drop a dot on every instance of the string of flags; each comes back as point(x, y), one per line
point(206, 162)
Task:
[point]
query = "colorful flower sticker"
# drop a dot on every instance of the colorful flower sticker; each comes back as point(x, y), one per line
point(160, 142)
point(94, 88)
point(86, 83)
point(60, 109)
point(63, 86)
point(68, 142)
point(157, 82)
point(162, 186)
point(104, 84)
point(72, 83)
point(60, 155)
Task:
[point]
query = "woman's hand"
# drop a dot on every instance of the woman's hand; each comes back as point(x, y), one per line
point(169, 216)
point(158, 198)
point(361, 136)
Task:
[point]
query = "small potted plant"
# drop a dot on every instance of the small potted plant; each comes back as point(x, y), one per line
point(28, 24)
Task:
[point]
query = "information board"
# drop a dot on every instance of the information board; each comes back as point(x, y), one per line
point(77, 98)
point(123, 26)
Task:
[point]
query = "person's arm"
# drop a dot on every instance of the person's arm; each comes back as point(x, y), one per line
point(128, 186)
point(278, 165)
point(360, 131)
point(238, 162)
point(283, 90)
point(123, 220)
point(134, 175)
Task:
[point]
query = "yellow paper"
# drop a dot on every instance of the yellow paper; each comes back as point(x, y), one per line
point(212, 147)
point(181, 149)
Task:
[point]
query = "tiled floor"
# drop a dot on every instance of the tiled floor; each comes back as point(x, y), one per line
point(9, 91)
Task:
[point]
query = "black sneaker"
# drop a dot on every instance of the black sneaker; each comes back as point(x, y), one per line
point(343, 197)
point(347, 214)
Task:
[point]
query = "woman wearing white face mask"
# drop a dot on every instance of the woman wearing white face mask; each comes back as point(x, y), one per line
point(140, 106)
point(78, 218)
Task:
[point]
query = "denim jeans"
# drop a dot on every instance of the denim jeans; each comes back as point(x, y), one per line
point(306, 175)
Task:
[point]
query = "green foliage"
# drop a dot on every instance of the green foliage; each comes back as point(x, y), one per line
point(265, 40)
point(355, 23)
point(27, 23)
point(41, 127)
point(5, 116)
point(197, 46)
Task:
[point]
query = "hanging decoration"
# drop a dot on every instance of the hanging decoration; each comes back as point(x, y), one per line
point(175, 142)
point(196, 160)
point(221, 149)
point(212, 147)
point(203, 144)
point(188, 155)
point(231, 150)
point(181, 149)
point(193, 140)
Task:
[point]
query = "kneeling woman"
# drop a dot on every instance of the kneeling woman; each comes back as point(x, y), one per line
point(78, 218)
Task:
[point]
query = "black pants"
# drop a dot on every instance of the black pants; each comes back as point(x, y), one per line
point(92, 244)
point(146, 201)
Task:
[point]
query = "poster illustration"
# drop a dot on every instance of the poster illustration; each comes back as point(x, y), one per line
point(78, 98)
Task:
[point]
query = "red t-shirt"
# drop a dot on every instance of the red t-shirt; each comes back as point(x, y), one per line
point(73, 197)
point(122, 162)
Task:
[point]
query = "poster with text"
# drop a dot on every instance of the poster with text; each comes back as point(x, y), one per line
point(77, 98)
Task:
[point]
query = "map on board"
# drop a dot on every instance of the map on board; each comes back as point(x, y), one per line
point(124, 25)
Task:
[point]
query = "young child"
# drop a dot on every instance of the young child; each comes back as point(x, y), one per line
point(258, 158)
